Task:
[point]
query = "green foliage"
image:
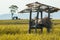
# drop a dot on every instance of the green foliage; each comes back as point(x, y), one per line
point(13, 9)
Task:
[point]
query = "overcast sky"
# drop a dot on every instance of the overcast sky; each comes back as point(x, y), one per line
point(5, 4)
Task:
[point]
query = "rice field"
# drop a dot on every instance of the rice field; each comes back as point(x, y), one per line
point(20, 32)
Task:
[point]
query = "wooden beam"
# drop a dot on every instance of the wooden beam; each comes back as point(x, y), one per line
point(30, 20)
point(41, 11)
point(37, 20)
point(49, 12)
point(48, 15)
point(37, 13)
point(41, 14)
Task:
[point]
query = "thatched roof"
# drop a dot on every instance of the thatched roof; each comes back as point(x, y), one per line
point(34, 6)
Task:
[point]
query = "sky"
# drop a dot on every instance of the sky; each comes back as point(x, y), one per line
point(5, 4)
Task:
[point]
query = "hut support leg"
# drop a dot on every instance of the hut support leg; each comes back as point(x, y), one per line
point(41, 30)
point(48, 30)
point(35, 30)
point(29, 30)
point(41, 15)
point(37, 20)
point(30, 21)
point(48, 15)
point(48, 12)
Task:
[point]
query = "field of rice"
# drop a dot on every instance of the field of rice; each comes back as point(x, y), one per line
point(20, 31)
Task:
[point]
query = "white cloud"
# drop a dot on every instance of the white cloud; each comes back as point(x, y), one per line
point(4, 4)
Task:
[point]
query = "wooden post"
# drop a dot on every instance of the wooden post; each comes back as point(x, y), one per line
point(48, 12)
point(41, 14)
point(49, 15)
point(41, 11)
point(30, 20)
point(37, 19)
point(37, 14)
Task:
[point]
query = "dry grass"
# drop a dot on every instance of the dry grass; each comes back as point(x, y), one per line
point(20, 32)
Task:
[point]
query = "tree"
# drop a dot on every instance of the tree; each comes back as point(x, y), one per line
point(13, 9)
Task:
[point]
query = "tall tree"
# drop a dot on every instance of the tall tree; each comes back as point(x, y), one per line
point(13, 9)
